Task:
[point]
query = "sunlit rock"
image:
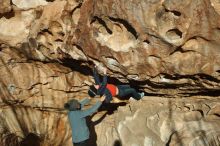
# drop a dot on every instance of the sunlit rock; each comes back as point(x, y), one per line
point(26, 4)
point(167, 48)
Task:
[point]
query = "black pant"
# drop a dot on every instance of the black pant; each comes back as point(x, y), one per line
point(125, 90)
point(82, 143)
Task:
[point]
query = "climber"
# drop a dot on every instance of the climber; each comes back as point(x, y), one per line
point(77, 119)
point(110, 90)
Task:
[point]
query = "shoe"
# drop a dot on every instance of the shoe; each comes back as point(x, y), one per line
point(141, 94)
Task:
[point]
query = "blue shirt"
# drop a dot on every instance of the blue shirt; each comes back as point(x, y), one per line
point(77, 119)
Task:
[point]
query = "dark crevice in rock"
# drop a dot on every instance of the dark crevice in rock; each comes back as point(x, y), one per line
point(147, 41)
point(201, 111)
point(158, 85)
point(168, 142)
point(193, 77)
point(186, 88)
point(85, 68)
point(8, 15)
point(158, 40)
point(66, 91)
point(46, 31)
point(208, 77)
point(207, 92)
point(156, 94)
point(80, 48)
point(196, 37)
point(180, 49)
point(77, 7)
point(158, 57)
point(218, 115)
point(126, 24)
point(174, 34)
point(102, 22)
point(58, 40)
point(176, 13)
point(79, 66)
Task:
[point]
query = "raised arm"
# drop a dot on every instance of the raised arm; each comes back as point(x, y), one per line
point(94, 108)
point(102, 87)
point(96, 76)
point(84, 102)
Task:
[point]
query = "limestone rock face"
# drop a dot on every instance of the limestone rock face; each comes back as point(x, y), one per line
point(167, 48)
point(160, 122)
point(5, 6)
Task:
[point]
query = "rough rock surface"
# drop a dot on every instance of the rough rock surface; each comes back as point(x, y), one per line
point(168, 48)
point(163, 121)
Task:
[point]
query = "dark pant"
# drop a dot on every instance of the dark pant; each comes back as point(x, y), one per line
point(126, 90)
point(82, 143)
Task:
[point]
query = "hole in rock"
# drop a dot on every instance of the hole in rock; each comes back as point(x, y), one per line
point(176, 13)
point(126, 24)
point(8, 15)
point(174, 34)
point(47, 31)
point(50, 0)
point(102, 22)
point(147, 41)
point(58, 40)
